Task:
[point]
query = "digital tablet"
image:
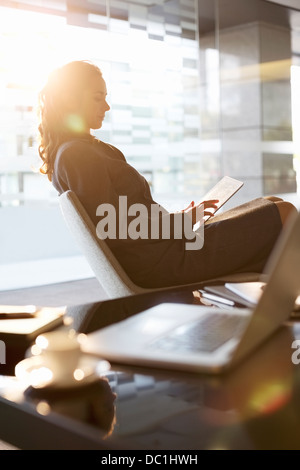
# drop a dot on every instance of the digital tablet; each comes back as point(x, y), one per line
point(222, 191)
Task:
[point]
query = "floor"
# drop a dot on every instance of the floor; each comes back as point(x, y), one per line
point(54, 295)
point(42, 272)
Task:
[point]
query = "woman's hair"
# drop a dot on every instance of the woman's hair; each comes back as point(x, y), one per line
point(56, 122)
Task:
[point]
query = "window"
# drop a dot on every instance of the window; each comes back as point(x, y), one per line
point(195, 93)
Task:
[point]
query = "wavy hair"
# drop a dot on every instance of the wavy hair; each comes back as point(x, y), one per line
point(56, 124)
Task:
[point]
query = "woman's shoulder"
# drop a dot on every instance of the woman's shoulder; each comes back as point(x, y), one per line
point(87, 148)
point(76, 150)
point(73, 147)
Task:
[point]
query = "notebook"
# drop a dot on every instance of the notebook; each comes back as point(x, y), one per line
point(224, 291)
point(241, 294)
point(206, 339)
point(249, 291)
point(32, 322)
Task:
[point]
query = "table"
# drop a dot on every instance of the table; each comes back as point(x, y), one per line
point(255, 406)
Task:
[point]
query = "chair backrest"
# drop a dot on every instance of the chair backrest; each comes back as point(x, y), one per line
point(105, 266)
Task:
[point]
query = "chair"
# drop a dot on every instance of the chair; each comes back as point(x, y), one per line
point(105, 266)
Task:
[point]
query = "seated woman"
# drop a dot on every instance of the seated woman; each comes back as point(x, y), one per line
point(72, 103)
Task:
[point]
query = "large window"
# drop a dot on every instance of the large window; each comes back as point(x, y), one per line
point(197, 89)
point(149, 57)
point(148, 52)
point(247, 50)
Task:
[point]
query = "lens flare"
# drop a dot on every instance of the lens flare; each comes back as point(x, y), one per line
point(74, 123)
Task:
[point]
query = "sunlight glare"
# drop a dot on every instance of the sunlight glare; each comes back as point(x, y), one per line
point(26, 56)
point(295, 94)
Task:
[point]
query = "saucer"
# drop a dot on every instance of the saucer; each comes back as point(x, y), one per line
point(36, 373)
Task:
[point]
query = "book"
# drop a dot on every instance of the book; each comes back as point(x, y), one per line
point(225, 293)
point(249, 291)
point(245, 294)
point(32, 322)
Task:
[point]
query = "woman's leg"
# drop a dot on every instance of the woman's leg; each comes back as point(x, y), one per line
point(238, 240)
point(273, 198)
point(286, 209)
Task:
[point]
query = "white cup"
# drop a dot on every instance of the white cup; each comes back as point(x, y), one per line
point(60, 351)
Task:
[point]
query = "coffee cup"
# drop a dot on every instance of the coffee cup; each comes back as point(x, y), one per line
point(60, 351)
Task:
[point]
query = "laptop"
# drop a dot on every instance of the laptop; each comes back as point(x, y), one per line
point(196, 338)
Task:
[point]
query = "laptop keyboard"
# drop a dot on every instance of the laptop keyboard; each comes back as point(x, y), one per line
point(205, 335)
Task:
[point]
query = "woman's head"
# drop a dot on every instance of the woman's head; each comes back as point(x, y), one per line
point(72, 102)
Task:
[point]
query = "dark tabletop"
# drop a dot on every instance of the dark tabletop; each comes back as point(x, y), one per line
point(255, 406)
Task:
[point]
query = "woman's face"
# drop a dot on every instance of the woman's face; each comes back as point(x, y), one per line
point(93, 104)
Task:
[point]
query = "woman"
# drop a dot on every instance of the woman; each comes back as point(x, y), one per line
point(240, 240)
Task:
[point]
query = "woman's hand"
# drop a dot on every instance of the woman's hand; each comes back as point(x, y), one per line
point(191, 209)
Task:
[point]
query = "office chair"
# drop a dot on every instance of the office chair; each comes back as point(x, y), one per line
point(105, 266)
